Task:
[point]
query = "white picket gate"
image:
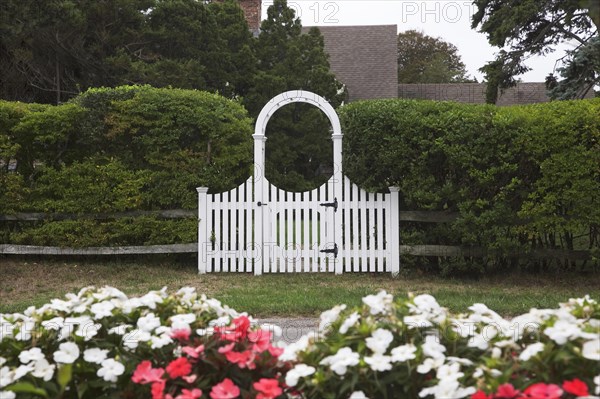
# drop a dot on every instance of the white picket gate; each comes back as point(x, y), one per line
point(260, 228)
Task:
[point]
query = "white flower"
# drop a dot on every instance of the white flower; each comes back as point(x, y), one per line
point(6, 329)
point(330, 316)
point(31, 355)
point(102, 309)
point(379, 362)
point(88, 330)
point(379, 340)
point(417, 321)
point(478, 341)
point(358, 395)
point(562, 331)
point(43, 369)
point(340, 362)
point(379, 303)
point(151, 299)
point(432, 348)
point(120, 329)
point(349, 322)
point(591, 350)
point(531, 351)
point(187, 294)
point(496, 353)
point(290, 352)
point(447, 388)
point(403, 353)
point(25, 330)
point(2, 361)
point(5, 377)
point(182, 321)
point(478, 372)
point(134, 337)
point(597, 382)
point(110, 370)
point(55, 323)
point(299, 371)
point(67, 353)
point(429, 364)
point(449, 371)
point(158, 342)
point(7, 395)
point(22, 371)
point(148, 323)
point(95, 355)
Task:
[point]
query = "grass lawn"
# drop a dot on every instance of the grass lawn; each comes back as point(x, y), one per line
point(34, 282)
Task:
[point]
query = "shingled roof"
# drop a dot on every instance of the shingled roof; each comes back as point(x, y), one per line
point(363, 58)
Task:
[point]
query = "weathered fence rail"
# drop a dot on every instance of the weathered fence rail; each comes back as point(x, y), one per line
point(405, 216)
point(415, 250)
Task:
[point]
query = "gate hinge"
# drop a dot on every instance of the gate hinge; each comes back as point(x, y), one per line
point(333, 251)
point(333, 204)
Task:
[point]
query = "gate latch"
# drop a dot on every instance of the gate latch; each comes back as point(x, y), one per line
point(333, 204)
point(333, 251)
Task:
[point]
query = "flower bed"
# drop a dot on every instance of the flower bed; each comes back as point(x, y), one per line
point(100, 343)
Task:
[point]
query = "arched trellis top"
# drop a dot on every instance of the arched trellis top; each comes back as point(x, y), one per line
point(294, 96)
point(282, 100)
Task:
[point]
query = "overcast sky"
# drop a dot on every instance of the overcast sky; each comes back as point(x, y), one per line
point(447, 19)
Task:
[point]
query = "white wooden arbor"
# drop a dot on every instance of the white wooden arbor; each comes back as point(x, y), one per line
point(260, 228)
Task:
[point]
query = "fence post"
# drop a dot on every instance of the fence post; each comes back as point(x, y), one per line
point(338, 176)
point(395, 229)
point(203, 238)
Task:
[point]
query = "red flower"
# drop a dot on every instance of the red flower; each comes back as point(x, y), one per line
point(187, 394)
point(236, 331)
point(479, 395)
point(268, 387)
point(226, 348)
point(576, 387)
point(158, 389)
point(144, 373)
point(226, 389)
point(542, 391)
point(181, 334)
point(261, 340)
point(506, 391)
point(179, 367)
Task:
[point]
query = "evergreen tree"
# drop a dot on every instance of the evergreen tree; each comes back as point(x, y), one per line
point(299, 147)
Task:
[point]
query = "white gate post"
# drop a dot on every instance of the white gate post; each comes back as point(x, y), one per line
point(260, 198)
point(337, 194)
point(202, 229)
point(395, 230)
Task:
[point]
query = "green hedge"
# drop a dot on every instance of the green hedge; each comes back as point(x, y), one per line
point(118, 149)
point(520, 177)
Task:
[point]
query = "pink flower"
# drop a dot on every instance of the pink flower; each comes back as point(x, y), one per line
point(274, 351)
point(542, 391)
point(181, 334)
point(226, 348)
point(158, 389)
point(179, 367)
point(187, 394)
point(268, 387)
point(242, 359)
point(506, 391)
point(189, 378)
point(576, 387)
point(193, 352)
point(145, 374)
point(226, 389)
point(261, 340)
point(237, 331)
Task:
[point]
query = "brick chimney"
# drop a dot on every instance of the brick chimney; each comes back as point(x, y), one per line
point(252, 11)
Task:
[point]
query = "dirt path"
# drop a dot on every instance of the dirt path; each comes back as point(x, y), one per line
point(292, 328)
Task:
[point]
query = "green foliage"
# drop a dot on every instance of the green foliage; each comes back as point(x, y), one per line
point(533, 27)
point(426, 59)
point(519, 177)
point(114, 150)
point(81, 233)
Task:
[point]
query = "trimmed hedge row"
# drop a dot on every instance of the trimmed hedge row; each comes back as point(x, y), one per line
point(520, 177)
point(113, 150)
